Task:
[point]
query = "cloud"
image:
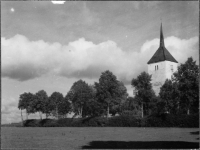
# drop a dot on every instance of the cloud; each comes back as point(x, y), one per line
point(58, 2)
point(23, 59)
point(10, 112)
point(144, 4)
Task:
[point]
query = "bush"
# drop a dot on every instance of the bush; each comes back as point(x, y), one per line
point(156, 120)
point(49, 123)
point(65, 122)
point(169, 120)
point(32, 123)
point(94, 122)
point(123, 121)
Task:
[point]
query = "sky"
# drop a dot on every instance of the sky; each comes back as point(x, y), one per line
point(50, 45)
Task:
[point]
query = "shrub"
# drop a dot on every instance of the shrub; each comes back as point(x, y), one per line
point(65, 122)
point(32, 123)
point(95, 121)
point(156, 120)
point(49, 123)
point(123, 121)
point(170, 120)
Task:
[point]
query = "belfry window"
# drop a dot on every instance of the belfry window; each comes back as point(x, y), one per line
point(157, 67)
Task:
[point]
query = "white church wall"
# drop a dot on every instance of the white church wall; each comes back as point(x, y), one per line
point(161, 71)
point(171, 67)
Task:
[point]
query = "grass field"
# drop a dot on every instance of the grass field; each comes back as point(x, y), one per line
point(98, 138)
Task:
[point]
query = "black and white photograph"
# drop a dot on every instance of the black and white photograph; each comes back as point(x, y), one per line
point(99, 75)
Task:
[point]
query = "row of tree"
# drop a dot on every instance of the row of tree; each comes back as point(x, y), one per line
point(39, 102)
point(109, 96)
point(102, 98)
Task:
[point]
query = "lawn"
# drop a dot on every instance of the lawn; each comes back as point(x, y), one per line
point(99, 138)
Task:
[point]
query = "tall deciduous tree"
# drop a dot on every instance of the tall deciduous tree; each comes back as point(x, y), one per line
point(21, 107)
point(187, 78)
point(64, 107)
point(79, 94)
point(131, 107)
point(169, 95)
point(56, 99)
point(26, 101)
point(110, 92)
point(143, 90)
point(40, 102)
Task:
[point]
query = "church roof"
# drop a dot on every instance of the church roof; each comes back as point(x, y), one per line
point(162, 53)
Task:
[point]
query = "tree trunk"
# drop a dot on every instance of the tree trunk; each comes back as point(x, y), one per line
point(40, 114)
point(57, 111)
point(142, 110)
point(26, 115)
point(81, 111)
point(107, 110)
point(22, 118)
point(188, 111)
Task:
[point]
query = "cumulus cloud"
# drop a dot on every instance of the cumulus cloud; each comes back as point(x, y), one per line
point(10, 112)
point(23, 59)
point(58, 2)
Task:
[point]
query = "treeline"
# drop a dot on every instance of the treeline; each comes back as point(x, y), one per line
point(180, 95)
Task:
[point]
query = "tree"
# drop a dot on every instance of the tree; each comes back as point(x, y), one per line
point(21, 107)
point(56, 99)
point(92, 106)
point(131, 107)
point(187, 78)
point(170, 96)
point(26, 101)
point(110, 92)
point(143, 91)
point(40, 102)
point(79, 94)
point(64, 107)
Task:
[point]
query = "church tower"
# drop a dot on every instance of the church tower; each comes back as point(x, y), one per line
point(162, 65)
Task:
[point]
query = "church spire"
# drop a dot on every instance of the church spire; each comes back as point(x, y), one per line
point(162, 54)
point(162, 44)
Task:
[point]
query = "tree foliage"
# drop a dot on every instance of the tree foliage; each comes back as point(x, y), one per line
point(79, 94)
point(187, 78)
point(131, 107)
point(64, 107)
point(41, 102)
point(110, 92)
point(56, 99)
point(181, 94)
point(26, 101)
point(143, 91)
point(169, 95)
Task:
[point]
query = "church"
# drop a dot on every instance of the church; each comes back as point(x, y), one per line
point(161, 66)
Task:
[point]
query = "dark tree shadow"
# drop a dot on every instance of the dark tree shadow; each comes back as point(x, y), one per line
point(141, 145)
point(195, 133)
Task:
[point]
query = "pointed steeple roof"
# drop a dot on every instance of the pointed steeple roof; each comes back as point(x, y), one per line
point(162, 53)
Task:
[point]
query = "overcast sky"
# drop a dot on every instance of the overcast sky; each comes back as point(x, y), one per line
point(49, 46)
